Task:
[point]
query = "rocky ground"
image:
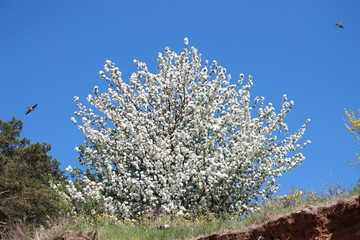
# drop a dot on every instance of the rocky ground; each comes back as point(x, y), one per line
point(340, 221)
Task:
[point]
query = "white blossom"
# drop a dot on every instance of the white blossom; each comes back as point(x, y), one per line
point(184, 140)
point(73, 120)
point(186, 41)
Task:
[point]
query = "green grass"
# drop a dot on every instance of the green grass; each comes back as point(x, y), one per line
point(179, 229)
point(146, 232)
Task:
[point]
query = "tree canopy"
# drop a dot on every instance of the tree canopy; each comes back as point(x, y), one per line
point(25, 174)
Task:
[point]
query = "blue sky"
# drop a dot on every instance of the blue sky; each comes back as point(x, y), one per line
point(51, 51)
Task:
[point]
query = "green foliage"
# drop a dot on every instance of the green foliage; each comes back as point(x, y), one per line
point(25, 175)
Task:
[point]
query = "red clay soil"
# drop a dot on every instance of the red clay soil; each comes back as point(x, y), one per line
point(340, 221)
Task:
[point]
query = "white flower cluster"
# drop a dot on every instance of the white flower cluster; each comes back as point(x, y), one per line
point(182, 140)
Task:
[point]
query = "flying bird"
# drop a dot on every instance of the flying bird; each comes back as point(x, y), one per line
point(340, 25)
point(31, 109)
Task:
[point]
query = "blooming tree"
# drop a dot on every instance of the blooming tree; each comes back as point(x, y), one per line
point(185, 140)
point(354, 128)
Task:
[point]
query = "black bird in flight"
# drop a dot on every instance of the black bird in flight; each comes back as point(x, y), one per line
point(31, 109)
point(340, 25)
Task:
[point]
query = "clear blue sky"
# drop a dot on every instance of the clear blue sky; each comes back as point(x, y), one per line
point(51, 51)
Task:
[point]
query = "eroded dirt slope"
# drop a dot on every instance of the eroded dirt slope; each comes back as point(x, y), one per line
point(340, 221)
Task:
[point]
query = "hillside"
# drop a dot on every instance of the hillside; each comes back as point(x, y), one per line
point(340, 221)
